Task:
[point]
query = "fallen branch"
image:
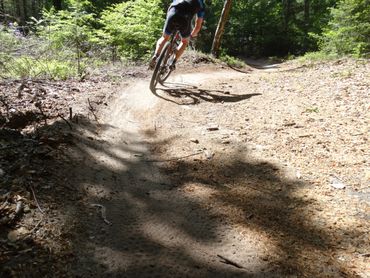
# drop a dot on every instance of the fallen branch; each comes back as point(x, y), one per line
point(103, 213)
point(5, 104)
point(227, 261)
point(37, 203)
point(37, 225)
point(173, 159)
point(60, 116)
point(33, 229)
point(92, 110)
point(38, 105)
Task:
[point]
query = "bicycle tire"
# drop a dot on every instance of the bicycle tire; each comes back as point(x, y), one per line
point(158, 66)
point(163, 76)
point(171, 55)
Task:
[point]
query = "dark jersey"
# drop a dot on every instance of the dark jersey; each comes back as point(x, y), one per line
point(190, 7)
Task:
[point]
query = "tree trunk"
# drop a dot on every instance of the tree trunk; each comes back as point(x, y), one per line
point(306, 22)
point(287, 12)
point(33, 8)
point(25, 11)
point(18, 11)
point(57, 4)
point(2, 11)
point(221, 27)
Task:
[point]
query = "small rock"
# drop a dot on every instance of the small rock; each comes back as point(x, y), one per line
point(367, 175)
point(209, 154)
point(2, 173)
point(26, 209)
point(17, 234)
point(196, 141)
point(259, 148)
point(298, 175)
point(337, 184)
point(212, 127)
point(289, 124)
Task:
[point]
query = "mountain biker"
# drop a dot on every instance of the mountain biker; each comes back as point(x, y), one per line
point(179, 17)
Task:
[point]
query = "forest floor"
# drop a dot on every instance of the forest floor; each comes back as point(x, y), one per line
point(257, 172)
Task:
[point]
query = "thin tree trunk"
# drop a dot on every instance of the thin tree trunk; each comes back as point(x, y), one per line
point(25, 13)
point(57, 4)
point(287, 12)
point(2, 10)
point(34, 9)
point(18, 13)
point(221, 27)
point(306, 22)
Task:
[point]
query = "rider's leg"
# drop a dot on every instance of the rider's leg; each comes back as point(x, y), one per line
point(160, 43)
point(168, 29)
point(181, 48)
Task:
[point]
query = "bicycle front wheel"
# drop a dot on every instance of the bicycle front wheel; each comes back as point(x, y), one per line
point(160, 66)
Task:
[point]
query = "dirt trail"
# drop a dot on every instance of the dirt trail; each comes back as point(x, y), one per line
point(192, 188)
point(157, 230)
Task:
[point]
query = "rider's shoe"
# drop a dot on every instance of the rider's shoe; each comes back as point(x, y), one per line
point(153, 62)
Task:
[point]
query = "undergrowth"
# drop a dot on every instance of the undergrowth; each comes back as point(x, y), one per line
point(232, 61)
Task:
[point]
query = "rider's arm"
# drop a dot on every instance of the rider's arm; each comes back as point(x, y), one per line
point(197, 27)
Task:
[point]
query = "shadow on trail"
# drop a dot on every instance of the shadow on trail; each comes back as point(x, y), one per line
point(262, 64)
point(187, 94)
point(158, 224)
point(161, 227)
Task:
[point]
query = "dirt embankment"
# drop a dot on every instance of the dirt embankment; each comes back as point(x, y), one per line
point(220, 173)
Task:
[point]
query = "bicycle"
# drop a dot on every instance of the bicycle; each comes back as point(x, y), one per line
point(162, 69)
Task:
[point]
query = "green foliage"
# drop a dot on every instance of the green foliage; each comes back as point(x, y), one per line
point(312, 110)
point(232, 61)
point(27, 57)
point(68, 28)
point(133, 27)
point(349, 30)
point(268, 27)
point(29, 67)
point(8, 41)
point(86, 32)
point(316, 56)
point(69, 32)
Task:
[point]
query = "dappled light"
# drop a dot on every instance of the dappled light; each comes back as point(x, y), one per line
point(202, 139)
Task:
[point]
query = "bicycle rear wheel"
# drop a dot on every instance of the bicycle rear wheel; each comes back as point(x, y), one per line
point(161, 63)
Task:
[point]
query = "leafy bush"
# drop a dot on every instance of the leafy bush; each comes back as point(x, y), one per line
point(28, 67)
point(71, 28)
point(349, 30)
point(133, 27)
point(8, 40)
point(232, 61)
point(316, 56)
